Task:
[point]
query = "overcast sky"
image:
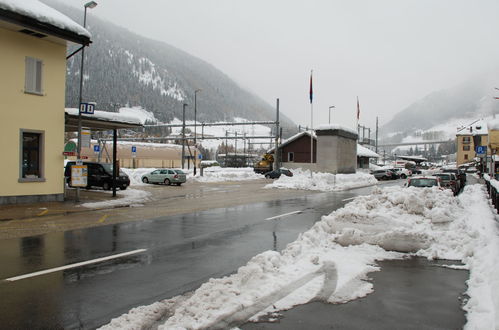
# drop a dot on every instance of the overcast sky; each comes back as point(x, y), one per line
point(389, 53)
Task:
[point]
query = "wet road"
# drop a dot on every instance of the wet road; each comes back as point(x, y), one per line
point(181, 252)
point(408, 294)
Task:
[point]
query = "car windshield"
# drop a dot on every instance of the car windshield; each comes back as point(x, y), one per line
point(423, 183)
point(444, 176)
point(108, 167)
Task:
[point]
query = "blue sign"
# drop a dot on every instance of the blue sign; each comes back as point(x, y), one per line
point(200, 156)
point(481, 150)
point(87, 108)
point(134, 149)
point(96, 148)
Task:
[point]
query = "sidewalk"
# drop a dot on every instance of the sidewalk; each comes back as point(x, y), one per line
point(33, 210)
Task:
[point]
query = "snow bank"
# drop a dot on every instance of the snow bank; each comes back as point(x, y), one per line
point(135, 175)
point(129, 197)
point(323, 181)
point(221, 174)
point(331, 261)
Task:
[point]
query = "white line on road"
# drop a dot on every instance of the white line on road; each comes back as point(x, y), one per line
point(348, 199)
point(283, 215)
point(78, 264)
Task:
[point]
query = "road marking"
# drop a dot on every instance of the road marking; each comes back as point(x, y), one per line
point(42, 213)
point(348, 199)
point(103, 218)
point(78, 264)
point(284, 215)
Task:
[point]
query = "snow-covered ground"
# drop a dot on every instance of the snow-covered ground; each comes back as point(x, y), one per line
point(129, 197)
point(332, 259)
point(302, 179)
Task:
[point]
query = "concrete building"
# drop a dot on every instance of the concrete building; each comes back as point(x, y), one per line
point(33, 41)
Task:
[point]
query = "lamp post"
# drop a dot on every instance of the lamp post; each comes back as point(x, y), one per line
point(195, 126)
point(90, 5)
point(183, 133)
point(330, 113)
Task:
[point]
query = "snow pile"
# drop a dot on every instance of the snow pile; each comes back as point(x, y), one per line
point(220, 174)
point(331, 261)
point(129, 197)
point(135, 175)
point(323, 181)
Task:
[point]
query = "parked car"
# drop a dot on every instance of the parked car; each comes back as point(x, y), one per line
point(166, 176)
point(276, 174)
point(449, 181)
point(403, 172)
point(99, 175)
point(424, 181)
point(458, 172)
point(395, 174)
point(417, 171)
point(383, 174)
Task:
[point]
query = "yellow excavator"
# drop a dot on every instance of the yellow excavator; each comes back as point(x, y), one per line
point(264, 165)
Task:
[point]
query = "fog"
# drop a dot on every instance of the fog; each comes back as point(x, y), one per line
point(389, 53)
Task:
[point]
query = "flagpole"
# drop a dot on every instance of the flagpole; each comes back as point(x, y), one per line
point(311, 126)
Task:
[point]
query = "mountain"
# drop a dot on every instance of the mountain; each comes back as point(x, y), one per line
point(125, 69)
point(467, 101)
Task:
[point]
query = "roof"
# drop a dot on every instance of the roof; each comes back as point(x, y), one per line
point(365, 152)
point(33, 14)
point(100, 120)
point(478, 127)
point(291, 139)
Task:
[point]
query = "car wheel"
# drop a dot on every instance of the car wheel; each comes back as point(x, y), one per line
point(178, 184)
point(384, 177)
point(123, 187)
point(106, 186)
point(145, 180)
point(267, 176)
point(167, 182)
point(403, 176)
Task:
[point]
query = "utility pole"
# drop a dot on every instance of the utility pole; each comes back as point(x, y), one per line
point(195, 125)
point(183, 133)
point(376, 147)
point(277, 160)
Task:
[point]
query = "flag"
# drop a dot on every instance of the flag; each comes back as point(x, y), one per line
point(358, 108)
point(311, 90)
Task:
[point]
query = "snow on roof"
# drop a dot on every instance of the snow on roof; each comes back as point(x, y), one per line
point(365, 152)
point(479, 127)
point(44, 14)
point(336, 126)
point(293, 138)
point(493, 124)
point(138, 112)
point(107, 116)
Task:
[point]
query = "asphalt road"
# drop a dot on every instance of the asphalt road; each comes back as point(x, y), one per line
point(181, 252)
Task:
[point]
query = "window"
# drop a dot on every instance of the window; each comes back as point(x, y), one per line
point(33, 78)
point(465, 156)
point(291, 156)
point(466, 148)
point(466, 140)
point(31, 156)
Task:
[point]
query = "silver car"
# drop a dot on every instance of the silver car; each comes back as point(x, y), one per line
point(166, 176)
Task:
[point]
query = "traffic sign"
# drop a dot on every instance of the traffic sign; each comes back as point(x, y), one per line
point(134, 151)
point(96, 148)
point(87, 107)
point(481, 150)
point(200, 156)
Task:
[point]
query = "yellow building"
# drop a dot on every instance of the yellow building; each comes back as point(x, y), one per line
point(468, 138)
point(33, 40)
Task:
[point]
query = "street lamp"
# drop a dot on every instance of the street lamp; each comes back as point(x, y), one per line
point(90, 5)
point(195, 126)
point(330, 113)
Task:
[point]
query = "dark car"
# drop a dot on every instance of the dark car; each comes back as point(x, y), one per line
point(276, 174)
point(395, 174)
point(383, 174)
point(99, 175)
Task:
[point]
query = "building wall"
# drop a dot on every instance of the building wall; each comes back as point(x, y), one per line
point(31, 112)
point(301, 150)
point(466, 156)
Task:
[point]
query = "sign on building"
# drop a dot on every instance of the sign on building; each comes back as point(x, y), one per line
point(87, 107)
point(79, 175)
point(85, 138)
